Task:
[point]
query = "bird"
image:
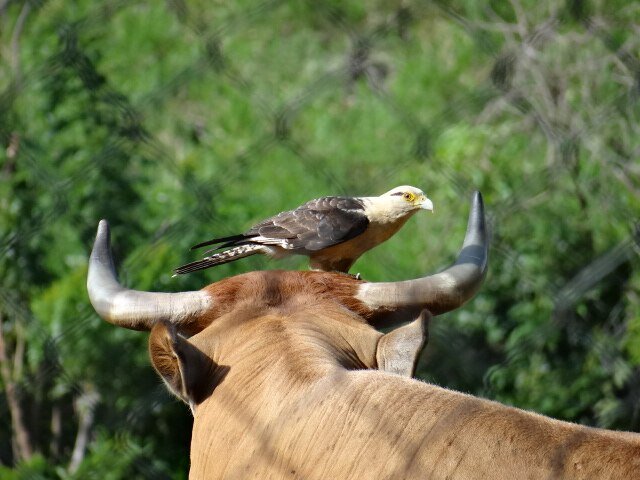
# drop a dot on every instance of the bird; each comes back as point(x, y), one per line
point(332, 231)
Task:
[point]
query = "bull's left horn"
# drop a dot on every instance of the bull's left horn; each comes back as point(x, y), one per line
point(441, 292)
point(130, 308)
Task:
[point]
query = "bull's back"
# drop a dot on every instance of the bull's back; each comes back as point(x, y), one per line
point(372, 425)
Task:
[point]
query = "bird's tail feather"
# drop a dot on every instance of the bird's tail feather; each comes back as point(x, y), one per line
point(219, 258)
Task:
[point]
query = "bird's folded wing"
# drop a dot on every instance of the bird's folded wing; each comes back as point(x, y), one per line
point(317, 224)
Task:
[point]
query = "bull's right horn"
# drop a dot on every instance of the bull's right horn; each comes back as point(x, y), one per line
point(130, 308)
point(440, 292)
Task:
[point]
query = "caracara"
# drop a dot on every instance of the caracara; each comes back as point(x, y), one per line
point(332, 231)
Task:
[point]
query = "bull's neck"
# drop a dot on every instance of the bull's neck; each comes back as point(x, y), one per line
point(301, 353)
point(286, 359)
point(443, 433)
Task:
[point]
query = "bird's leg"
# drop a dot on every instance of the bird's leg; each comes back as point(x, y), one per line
point(355, 276)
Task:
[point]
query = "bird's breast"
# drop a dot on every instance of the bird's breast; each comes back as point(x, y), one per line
point(341, 256)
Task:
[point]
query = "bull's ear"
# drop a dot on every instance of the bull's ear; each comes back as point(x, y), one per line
point(186, 370)
point(398, 351)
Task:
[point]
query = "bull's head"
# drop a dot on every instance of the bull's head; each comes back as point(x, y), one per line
point(344, 308)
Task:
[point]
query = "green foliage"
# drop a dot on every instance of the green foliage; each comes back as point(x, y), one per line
point(183, 120)
point(36, 468)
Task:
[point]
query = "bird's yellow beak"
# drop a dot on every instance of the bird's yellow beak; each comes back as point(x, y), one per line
point(426, 204)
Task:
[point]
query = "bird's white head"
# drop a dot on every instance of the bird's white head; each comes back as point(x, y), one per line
point(408, 198)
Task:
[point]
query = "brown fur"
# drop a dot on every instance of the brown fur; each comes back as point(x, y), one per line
point(299, 400)
point(275, 287)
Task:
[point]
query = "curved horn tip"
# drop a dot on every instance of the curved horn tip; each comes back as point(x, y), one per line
point(101, 273)
point(476, 225)
point(103, 226)
point(101, 251)
point(104, 231)
point(477, 209)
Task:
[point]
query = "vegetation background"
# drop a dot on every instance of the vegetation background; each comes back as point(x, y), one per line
point(179, 120)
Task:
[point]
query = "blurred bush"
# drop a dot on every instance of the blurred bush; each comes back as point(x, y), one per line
point(182, 120)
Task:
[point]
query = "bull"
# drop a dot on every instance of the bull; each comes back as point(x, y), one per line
point(288, 377)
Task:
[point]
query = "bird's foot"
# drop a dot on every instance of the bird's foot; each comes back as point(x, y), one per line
point(355, 276)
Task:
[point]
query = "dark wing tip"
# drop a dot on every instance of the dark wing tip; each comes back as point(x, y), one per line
point(230, 241)
point(199, 245)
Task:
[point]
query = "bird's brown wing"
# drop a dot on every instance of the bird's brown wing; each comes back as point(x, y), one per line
point(317, 224)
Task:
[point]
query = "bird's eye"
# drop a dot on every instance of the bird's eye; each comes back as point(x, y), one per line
point(409, 197)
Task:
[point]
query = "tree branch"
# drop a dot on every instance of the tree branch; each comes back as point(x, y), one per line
point(85, 406)
point(22, 444)
point(56, 430)
point(3, 6)
point(15, 41)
